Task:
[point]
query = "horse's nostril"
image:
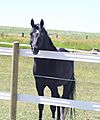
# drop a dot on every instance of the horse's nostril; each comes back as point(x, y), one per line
point(35, 50)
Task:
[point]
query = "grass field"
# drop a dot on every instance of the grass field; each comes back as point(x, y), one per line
point(87, 74)
point(88, 89)
point(66, 39)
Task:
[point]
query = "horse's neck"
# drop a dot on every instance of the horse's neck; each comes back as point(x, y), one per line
point(51, 47)
point(47, 47)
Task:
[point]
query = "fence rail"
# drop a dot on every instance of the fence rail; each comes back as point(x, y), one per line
point(71, 50)
point(48, 100)
point(52, 101)
point(54, 55)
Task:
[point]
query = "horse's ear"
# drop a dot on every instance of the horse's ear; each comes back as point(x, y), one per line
point(32, 22)
point(41, 23)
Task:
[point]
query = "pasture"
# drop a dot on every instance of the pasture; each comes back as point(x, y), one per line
point(88, 89)
point(66, 39)
point(87, 74)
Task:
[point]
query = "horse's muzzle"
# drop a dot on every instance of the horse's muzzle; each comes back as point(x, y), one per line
point(35, 50)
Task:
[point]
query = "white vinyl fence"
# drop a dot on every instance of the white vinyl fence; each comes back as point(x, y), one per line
point(14, 97)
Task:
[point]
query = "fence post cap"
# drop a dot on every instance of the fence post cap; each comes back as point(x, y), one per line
point(16, 42)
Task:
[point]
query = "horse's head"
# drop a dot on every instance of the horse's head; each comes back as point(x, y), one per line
point(37, 36)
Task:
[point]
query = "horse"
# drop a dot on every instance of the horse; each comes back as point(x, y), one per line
point(40, 40)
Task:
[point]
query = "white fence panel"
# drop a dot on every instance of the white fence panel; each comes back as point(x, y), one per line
point(54, 55)
point(53, 101)
point(5, 51)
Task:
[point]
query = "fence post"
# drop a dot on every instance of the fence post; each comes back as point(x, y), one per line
point(14, 80)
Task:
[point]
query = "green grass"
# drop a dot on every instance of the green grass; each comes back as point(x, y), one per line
point(6, 30)
point(66, 39)
point(72, 42)
point(87, 74)
point(77, 42)
point(88, 87)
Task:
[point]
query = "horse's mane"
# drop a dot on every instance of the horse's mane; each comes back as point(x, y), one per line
point(50, 41)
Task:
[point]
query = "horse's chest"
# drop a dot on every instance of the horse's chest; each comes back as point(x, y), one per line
point(44, 67)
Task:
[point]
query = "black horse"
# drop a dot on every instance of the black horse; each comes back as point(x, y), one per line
point(39, 40)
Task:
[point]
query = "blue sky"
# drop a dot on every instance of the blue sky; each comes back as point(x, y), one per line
point(75, 15)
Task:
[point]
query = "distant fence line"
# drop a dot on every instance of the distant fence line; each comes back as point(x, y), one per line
point(14, 97)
